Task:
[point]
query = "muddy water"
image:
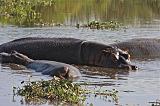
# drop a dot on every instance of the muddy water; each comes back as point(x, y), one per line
point(142, 19)
point(136, 88)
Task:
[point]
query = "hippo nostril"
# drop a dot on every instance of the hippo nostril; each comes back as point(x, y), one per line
point(128, 67)
point(134, 67)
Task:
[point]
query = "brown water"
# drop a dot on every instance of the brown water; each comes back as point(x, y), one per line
point(144, 83)
point(136, 88)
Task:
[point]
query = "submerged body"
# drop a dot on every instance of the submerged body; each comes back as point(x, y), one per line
point(52, 68)
point(141, 48)
point(70, 50)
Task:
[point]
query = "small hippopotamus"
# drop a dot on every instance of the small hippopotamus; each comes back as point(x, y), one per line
point(52, 68)
point(71, 51)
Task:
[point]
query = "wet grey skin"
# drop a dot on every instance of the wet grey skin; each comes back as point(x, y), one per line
point(141, 48)
point(71, 51)
point(52, 68)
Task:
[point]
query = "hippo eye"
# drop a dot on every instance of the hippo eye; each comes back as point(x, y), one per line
point(114, 56)
point(124, 53)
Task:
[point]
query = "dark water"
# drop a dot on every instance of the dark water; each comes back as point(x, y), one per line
point(136, 88)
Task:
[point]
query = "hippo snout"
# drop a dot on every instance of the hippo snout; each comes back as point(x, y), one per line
point(66, 72)
point(125, 64)
point(128, 67)
point(134, 67)
point(58, 71)
point(72, 73)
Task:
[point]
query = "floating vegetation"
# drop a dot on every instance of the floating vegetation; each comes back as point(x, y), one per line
point(23, 12)
point(61, 90)
point(113, 94)
point(112, 25)
point(39, 92)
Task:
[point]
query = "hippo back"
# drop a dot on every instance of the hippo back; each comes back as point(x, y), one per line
point(57, 49)
point(141, 47)
point(53, 68)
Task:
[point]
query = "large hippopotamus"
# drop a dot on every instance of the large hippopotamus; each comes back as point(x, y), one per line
point(141, 48)
point(71, 51)
point(52, 68)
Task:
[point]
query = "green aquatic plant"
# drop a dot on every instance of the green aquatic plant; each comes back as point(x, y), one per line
point(112, 25)
point(61, 90)
point(39, 92)
point(113, 94)
point(22, 12)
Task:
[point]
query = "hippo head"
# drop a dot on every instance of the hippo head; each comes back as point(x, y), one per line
point(61, 72)
point(14, 57)
point(66, 72)
point(116, 58)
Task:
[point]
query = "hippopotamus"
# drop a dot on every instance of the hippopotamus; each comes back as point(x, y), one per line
point(141, 48)
point(71, 51)
point(52, 68)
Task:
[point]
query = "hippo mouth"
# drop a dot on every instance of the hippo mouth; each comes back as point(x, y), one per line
point(124, 63)
point(123, 60)
point(71, 74)
point(67, 73)
point(128, 67)
point(115, 58)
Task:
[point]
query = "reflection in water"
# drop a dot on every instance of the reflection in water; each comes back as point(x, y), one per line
point(108, 72)
point(14, 66)
point(39, 102)
point(77, 11)
point(74, 11)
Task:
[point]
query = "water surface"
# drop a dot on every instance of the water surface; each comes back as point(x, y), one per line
point(136, 88)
